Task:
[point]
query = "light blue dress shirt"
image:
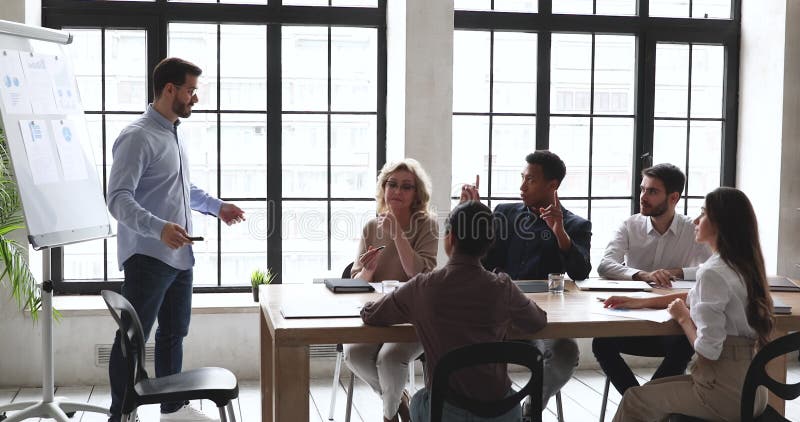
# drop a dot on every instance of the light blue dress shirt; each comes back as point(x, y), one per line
point(149, 186)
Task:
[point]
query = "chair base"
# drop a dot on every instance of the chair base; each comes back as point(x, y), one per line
point(58, 409)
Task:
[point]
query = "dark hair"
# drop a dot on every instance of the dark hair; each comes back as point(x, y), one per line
point(172, 70)
point(731, 213)
point(552, 166)
point(670, 175)
point(471, 224)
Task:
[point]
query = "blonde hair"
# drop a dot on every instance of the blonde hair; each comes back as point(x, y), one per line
point(421, 180)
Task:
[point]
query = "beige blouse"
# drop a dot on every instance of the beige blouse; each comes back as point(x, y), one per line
point(423, 235)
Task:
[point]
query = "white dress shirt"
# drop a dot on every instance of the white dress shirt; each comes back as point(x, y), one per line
point(717, 305)
point(638, 246)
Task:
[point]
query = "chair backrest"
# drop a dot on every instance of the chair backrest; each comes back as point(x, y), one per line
point(518, 353)
point(347, 270)
point(757, 374)
point(131, 342)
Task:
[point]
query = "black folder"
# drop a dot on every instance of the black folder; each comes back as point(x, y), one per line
point(347, 285)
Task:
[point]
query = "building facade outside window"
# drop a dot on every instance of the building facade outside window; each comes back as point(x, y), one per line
point(290, 125)
point(610, 86)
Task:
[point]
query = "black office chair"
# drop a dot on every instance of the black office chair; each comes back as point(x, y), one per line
point(216, 384)
point(757, 376)
point(519, 353)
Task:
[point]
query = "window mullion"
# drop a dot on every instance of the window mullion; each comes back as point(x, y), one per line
point(543, 88)
point(274, 151)
point(645, 110)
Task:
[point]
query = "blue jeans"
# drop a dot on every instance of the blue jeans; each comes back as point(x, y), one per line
point(421, 411)
point(155, 289)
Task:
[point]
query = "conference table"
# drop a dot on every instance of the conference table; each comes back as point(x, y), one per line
point(285, 342)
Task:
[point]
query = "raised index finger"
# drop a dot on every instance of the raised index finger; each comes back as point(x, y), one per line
point(477, 181)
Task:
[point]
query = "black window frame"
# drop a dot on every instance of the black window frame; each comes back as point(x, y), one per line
point(154, 17)
point(649, 31)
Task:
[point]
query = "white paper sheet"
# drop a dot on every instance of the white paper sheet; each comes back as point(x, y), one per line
point(12, 84)
point(64, 89)
point(70, 151)
point(38, 148)
point(655, 315)
point(39, 83)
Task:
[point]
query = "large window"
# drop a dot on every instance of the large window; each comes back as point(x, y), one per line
point(290, 124)
point(610, 86)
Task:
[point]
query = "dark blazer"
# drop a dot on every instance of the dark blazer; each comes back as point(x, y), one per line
point(526, 248)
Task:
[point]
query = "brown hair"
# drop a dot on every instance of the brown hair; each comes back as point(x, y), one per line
point(731, 213)
point(172, 70)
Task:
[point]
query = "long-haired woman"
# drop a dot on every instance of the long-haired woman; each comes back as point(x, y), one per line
point(726, 316)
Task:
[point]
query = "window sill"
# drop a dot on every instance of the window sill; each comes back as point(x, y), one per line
point(202, 303)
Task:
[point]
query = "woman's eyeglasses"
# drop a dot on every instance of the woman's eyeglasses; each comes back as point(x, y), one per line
point(391, 184)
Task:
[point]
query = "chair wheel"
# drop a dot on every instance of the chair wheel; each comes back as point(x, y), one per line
point(70, 415)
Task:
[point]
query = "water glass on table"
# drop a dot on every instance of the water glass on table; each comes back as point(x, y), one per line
point(388, 286)
point(555, 283)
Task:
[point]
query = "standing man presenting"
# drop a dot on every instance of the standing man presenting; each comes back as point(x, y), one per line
point(537, 237)
point(151, 196)
point(656, 246)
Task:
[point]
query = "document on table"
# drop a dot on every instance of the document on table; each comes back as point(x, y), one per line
point(655, 315)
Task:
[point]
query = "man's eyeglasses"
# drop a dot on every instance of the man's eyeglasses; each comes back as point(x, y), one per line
point(391, 184)
point(192, 91)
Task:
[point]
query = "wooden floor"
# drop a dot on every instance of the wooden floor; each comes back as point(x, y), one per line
point(582, 398)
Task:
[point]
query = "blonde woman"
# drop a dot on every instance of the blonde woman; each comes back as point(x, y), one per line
point(408, 234)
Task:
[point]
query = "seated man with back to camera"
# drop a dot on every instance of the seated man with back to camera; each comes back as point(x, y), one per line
point(536, 237)
point(657, 246)
point(459, 305)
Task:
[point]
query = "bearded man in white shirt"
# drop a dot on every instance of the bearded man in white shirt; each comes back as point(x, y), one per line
point(656, 246)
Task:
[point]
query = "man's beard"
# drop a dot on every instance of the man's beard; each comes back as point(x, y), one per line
point(183, 110)
point(658, 210)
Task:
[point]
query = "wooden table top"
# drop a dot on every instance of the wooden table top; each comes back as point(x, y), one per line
point(570, 315)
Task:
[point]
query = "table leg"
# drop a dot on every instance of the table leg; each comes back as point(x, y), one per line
point(267, 371)
point(291, 383)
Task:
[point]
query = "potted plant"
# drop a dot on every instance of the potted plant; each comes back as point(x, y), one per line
point(259, 277)
point(13, 266)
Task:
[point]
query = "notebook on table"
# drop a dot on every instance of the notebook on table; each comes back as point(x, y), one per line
point(617, 285)
point(348, 285)
point(782, 284)
point(532, 286)
point(780, 307)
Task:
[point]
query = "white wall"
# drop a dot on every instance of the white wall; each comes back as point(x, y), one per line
point(767, 167)
point(789, 216)
point(420, 93)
